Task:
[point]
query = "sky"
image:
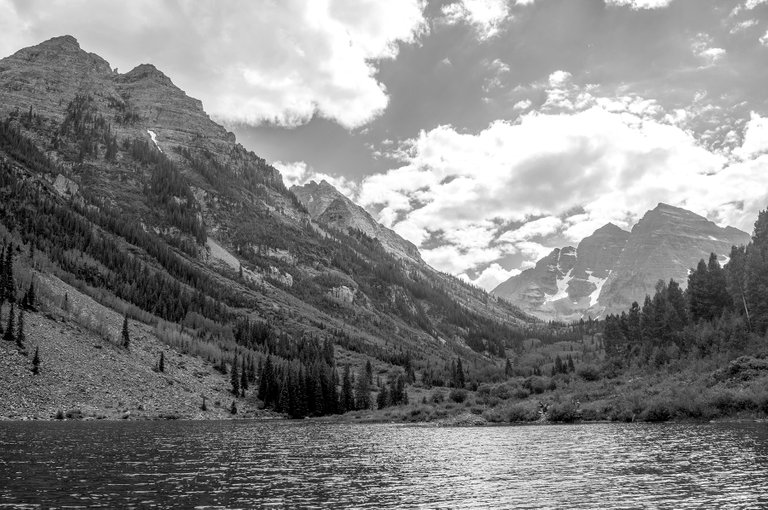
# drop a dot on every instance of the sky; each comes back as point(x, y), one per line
point(487, 132)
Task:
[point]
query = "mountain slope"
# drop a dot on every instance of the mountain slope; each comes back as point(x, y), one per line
point(134, 194)
point(613, 268)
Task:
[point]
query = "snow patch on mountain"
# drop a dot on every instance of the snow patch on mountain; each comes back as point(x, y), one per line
point(598, 282)
point(562, 288)
point(153, 136)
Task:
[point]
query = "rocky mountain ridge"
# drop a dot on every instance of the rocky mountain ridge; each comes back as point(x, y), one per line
point(612, 268)
point(331, 207)
point(133, 193)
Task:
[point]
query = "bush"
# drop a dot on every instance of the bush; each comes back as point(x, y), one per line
point(657, 411)
point(535, 384)
point(521, 412)
point(458, 395)
point(589, 373)
point(437, 397)
point(564, 412)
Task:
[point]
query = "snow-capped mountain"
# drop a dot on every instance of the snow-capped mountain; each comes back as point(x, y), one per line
point(612, 268)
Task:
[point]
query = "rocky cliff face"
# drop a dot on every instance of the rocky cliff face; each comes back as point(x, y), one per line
point(613, 267)
point(142, 103)
point(664, 244)
point(541, 287)
point(330, 207)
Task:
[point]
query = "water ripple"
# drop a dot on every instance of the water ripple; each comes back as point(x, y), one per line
point(317, 465)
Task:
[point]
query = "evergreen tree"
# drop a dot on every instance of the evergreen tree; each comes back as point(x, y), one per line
point(36, 362)
point(735, 273)
point(233, 408)
point(266, 376)
point(161, 364)
point(243, 379)
point(2, 277)
point(347, 396)
point(571, 367)
point(382, 399)
point(459, 378)
point(10, 284)
point(28, 301)
point(20, 336)
point(126, 339)
point(362, 392)
point(508, 368)
point(756, 275)
point(9, 335)
point(235, 378)
point(369, 371)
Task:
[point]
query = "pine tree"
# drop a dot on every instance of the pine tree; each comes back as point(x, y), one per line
point(362, 392)
point(756, 275)
point(369, 371)
point(235, 378)
point(459, 380)
point(233, 408)
point(28, 301)
point(243, 379)
point(36, 362)
point(126, 339)
point(382, 399)
point(347, 396)
point(508, 368)
point(20, 336)
point(9, 285)
point(10, 327)
point(161, 365)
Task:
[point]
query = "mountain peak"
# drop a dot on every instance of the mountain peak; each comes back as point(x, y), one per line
point(147, 72)
point(66, 42)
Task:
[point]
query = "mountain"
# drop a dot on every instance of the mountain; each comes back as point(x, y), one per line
point(329, 206)
point(123, 187)
point(612, 268)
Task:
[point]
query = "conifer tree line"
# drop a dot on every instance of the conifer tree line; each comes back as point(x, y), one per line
point(721, 308)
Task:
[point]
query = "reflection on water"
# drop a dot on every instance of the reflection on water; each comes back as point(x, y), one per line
point(297, 464)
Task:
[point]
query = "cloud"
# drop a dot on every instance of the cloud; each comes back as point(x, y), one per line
point(490, 277)
point(485, 15)
point(536, 228)
point(610, 162)
point(249, 62)
point(298, 173)
point(764, 39)
point(755, 137)
point(640, 4)
point(523, 104)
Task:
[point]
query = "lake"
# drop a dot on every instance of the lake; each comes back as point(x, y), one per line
point(247, 464)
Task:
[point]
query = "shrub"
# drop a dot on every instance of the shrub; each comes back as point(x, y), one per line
point(458, 395)
point(521, 412)
point(437, 397)
point(589, 373)
point(566, 412)
point(658, 410)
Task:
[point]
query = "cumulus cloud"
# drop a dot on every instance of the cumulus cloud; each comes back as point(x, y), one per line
point(490, 277)
point(249, 62)
point(755, 137)
point(640, 4)
point(485, 15)
point(609, 163)
point(299, 173)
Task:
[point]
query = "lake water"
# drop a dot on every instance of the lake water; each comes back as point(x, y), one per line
point(248, 464)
